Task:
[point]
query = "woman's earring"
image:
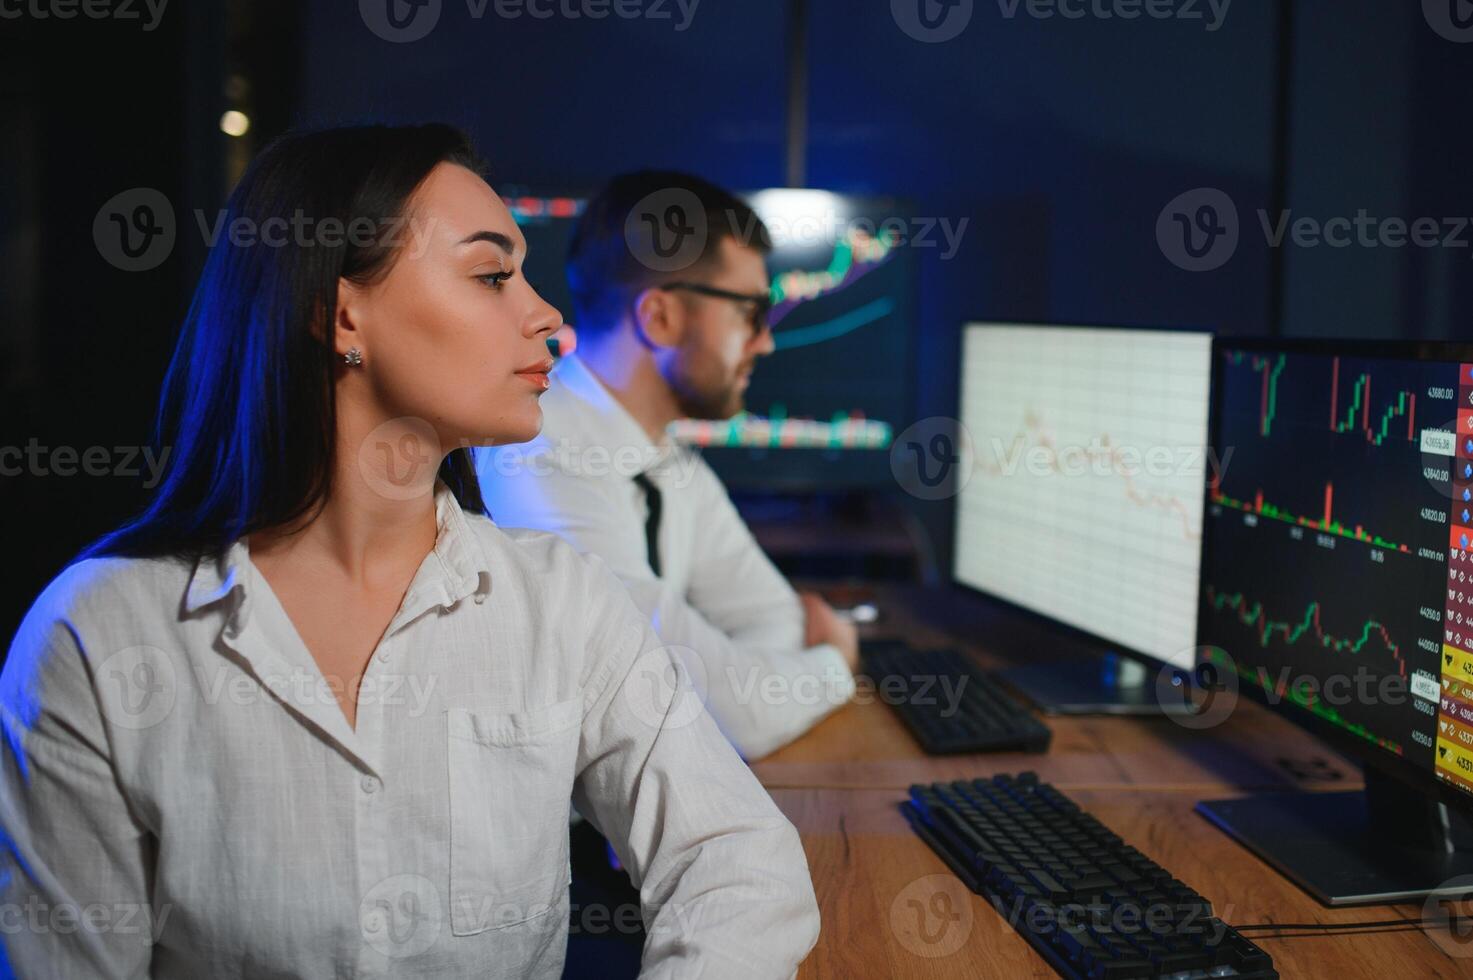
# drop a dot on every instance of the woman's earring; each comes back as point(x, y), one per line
point(353, 358)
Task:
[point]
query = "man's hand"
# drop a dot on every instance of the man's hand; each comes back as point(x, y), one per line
point(823, 625)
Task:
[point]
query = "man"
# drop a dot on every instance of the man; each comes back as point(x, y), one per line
point(670, 290)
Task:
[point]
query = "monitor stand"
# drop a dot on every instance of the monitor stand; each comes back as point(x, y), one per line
point(1112, 685)
point(1387, 844)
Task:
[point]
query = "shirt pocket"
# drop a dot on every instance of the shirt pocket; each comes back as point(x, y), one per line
point(511, 781)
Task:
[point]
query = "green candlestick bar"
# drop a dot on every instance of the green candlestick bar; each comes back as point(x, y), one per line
point(1256, 618)
point(1266, 509)
point(1259, 679)
point(1271, 382)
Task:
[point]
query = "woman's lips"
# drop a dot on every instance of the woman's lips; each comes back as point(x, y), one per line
point(536, 373)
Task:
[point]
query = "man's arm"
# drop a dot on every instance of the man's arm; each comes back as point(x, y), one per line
point(765, 609)
point(760, 684)
point(715, 861)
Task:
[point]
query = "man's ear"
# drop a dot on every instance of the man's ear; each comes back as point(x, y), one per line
point(659, 318)
point(344, 332)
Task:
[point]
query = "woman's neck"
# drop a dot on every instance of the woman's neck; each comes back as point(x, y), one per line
point(379, 514)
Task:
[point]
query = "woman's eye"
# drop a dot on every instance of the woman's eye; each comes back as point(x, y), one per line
point(495, 279)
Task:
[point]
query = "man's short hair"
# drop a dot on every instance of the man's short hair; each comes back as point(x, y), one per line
point(609, 257)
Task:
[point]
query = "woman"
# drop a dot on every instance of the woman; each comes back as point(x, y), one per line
point(312, 714)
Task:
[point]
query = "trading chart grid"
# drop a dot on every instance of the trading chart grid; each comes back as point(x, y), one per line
point(1085, 501)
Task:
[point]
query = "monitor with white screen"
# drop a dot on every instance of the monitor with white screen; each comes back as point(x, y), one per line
point(1085, 498)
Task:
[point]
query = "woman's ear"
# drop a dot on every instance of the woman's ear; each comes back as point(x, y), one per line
point(345, 335)
point(659, 318)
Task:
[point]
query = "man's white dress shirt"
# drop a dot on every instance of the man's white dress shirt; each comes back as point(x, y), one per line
point(181, 795)
point(718, 600)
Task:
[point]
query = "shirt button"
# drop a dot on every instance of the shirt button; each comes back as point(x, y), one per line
point(369, 784)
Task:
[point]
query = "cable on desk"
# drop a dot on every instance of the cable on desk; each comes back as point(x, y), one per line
point(1269, 937)
point(1321, 930)
point(1328, 926)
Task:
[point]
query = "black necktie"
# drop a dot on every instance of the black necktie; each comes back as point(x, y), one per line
point(651, 522)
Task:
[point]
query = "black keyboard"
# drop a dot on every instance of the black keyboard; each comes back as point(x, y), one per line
point(1093, 906)
point(948, 704)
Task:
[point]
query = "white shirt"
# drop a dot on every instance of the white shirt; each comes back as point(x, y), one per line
point(718, 600)
point(174, 768)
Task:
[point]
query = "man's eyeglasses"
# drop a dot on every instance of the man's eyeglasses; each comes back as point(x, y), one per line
point(761, 302)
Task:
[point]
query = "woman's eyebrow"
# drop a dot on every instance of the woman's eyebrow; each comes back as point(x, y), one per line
point(496, 238)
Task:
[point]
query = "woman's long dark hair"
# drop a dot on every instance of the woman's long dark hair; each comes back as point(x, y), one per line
point(247, 409)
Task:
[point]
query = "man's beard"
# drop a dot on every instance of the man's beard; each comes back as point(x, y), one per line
point(708, 403)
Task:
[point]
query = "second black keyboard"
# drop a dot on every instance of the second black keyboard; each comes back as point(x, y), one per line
point(948, 704)
point(1092, 905)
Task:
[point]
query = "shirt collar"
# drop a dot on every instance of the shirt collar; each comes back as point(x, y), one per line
point(581, 408)
point(464, 569)
point(460, 567)
point(215, 577)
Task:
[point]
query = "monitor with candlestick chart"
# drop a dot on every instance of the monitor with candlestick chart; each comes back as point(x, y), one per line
point(1337, 550)
point(1339, 543)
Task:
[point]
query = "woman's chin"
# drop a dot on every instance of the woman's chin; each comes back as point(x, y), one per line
point(519, 431)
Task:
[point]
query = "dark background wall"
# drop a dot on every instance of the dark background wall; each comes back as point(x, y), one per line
point(1060, 141)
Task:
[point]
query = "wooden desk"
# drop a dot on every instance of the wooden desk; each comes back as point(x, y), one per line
point(864, 745)
point(841, 784)
point(868, 868)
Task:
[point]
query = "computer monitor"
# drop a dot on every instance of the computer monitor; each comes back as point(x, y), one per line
point(1337, 586)
point(1084, 503)
point(824, 407)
